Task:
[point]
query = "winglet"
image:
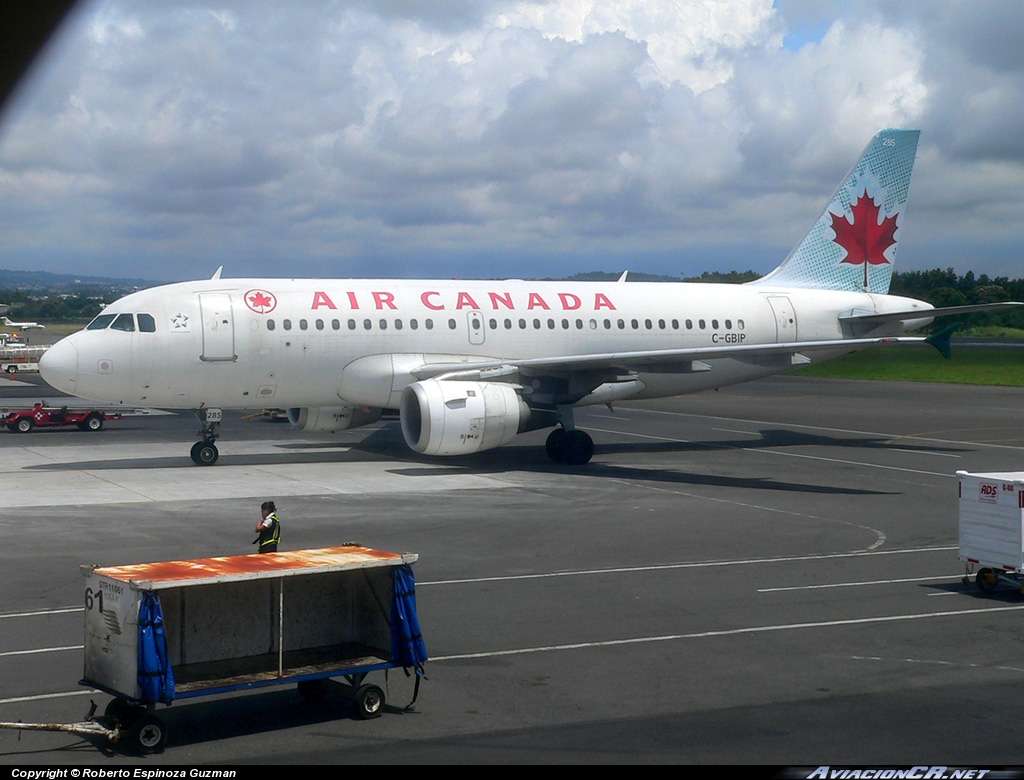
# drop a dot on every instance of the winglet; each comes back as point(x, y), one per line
point(216, 274)
point(941, 340)
point(623, 277)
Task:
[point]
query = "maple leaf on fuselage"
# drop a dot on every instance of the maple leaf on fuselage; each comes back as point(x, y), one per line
point(260, 300)
point(864, 240)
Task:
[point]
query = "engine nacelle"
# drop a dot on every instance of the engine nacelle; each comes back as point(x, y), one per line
point(441, 417)
point(328, 419)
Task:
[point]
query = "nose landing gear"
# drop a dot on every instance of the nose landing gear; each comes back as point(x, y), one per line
point(205, 453)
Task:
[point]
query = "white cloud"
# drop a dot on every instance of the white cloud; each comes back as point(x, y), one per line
point(322, 138)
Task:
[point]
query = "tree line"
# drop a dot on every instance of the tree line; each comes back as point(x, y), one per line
point(937, 287)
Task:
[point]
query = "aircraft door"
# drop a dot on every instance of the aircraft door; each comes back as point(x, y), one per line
point(785, 318)
point(475, 321)
point(218, 327)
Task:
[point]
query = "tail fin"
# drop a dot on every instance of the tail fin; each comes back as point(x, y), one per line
point(853, 244)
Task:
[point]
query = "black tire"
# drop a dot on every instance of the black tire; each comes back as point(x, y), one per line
point(150, 734)
point(369, 702)
point(204, 454)
point(94, 422)
point(12, 369)
point(123, 713)
point(986, 580)
point(554, 444)
point(24, 424)
point(577, 448)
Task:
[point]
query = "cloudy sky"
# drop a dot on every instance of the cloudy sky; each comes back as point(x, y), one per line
point(487, 138)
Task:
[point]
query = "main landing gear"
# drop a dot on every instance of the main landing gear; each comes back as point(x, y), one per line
point(204, 453)
point(567, 445)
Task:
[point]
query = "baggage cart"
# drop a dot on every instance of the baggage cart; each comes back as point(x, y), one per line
point(991, 528)
point(159, 632)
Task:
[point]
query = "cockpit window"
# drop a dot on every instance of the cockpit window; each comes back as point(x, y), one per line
point(125, 322)
point(146, 323)
point(100, 322)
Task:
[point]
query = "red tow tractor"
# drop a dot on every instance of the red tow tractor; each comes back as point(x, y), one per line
point(24, 420)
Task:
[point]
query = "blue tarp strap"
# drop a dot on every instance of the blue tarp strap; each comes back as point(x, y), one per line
point(407, 647)
point(156, 679)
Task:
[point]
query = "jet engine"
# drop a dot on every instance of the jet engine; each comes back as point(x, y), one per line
point(328, 419)
point(446, 417)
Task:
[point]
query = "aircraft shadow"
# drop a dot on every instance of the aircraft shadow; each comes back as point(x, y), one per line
point(386, 444)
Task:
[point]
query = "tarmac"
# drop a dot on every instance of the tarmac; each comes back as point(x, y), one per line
point(764, 575)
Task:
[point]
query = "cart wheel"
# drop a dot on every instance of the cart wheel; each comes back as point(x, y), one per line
point(25, 424)
point(312, 690)
point(369, 701)
point(12, 369)
point(93, 423)
point(122, 712)
point(204, 454)
point(150, 734)
point(986, 580)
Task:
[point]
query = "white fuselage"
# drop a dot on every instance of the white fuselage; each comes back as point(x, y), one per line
point(258, 343)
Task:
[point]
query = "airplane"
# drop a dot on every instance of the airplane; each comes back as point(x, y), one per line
point(468, 365)
point(21, 325)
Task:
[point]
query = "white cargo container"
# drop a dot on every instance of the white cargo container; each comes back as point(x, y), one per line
point(992, 527)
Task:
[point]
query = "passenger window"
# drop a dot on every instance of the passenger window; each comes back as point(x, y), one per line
point(271, 324)
point(303, 325)
point(336, 324)
point(125, 322)
point(414, 324)
point(286, 324)
point(319, 324)
point(451, 324)
point(100, 322)
point(428, 324)
point(147, 324)
point(398, 324)
point(351, 324)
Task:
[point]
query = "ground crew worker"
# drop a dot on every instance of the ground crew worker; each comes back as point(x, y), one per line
point(268, 528)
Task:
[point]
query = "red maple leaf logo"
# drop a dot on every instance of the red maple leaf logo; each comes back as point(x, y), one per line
point(260, 301)
point(864, 240)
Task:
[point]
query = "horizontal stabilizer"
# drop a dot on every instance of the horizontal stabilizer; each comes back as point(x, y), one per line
point(920, 314)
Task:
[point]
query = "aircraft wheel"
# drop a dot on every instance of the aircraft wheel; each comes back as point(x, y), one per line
point(554, 444)
point(204, 454)
point(25, 424)
point(577, 448)
point(986, 580)
point(369, 701)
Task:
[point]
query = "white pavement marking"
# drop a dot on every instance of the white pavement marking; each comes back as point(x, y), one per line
point(728, 632)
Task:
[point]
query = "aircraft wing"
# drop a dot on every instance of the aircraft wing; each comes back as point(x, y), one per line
point(662, 360)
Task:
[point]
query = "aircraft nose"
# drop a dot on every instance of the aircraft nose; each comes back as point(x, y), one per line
point(59, 366)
